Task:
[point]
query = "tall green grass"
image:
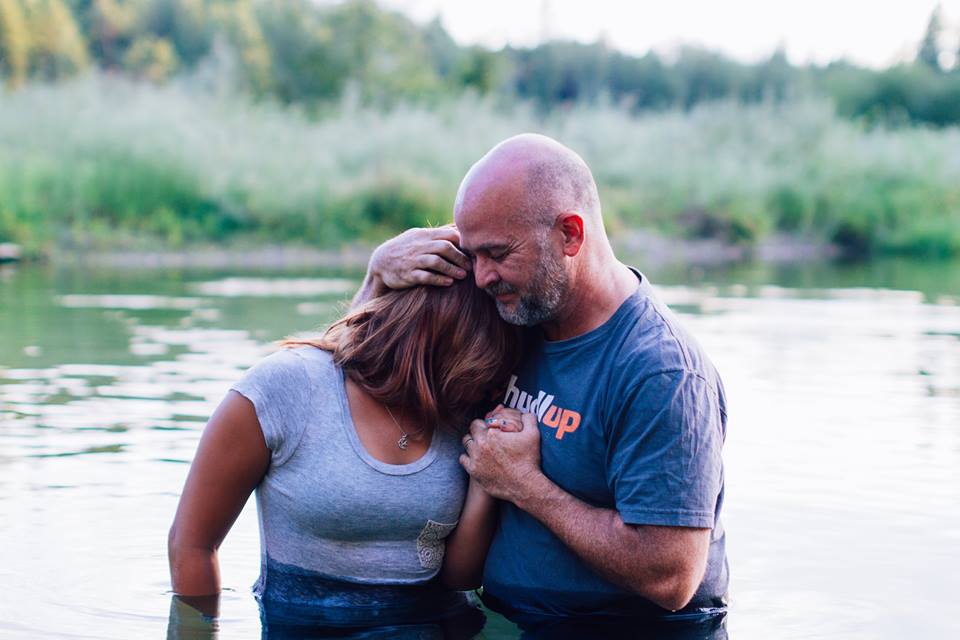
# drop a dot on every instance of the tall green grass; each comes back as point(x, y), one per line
point(105, 163)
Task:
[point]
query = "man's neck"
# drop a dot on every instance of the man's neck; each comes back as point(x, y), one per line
point(594, 298)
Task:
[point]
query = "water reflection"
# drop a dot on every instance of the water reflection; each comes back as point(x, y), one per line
point(706, 628)
point(194, 618)
point(140, 302)
point(197, 618)
point(276, 287)
point(842, 457)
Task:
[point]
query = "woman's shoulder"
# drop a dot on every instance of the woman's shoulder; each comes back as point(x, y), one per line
point(285, 388)
point(313, 357)
point(299, 363)
point(290, 377)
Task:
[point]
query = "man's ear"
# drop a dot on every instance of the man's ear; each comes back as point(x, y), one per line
point(571, 226)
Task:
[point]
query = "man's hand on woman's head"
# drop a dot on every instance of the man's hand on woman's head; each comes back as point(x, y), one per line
point(420, 256)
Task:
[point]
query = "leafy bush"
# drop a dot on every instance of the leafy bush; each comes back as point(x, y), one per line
point(118, 161)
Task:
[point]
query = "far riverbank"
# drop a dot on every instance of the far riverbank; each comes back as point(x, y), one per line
point(114, 166)
point(654, 249)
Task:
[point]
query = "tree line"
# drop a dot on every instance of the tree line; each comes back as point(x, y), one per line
point(298, 51)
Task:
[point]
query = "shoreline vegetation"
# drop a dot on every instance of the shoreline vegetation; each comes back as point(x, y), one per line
point(655, 249)
point(138, 125)
point(102, 163)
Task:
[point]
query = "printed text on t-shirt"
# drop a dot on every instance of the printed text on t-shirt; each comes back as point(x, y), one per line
point(563, 420)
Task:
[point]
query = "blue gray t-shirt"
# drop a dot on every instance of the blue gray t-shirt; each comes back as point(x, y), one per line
point(332, 516)
point(632, 418)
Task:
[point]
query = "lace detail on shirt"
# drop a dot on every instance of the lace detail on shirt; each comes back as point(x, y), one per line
point(431, 543)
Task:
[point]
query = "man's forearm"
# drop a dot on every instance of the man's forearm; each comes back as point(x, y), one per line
point(621, 553)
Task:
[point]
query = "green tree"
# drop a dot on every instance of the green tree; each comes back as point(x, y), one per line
point(479, 69)
point(704, 75)
point(562, 72)
point(640, 83)
point(57, 48)
point(111, 26)
point(929, 51)
point(386, 52)
point(184, 23)
point(14, 43)
point(444, 53)
point(306, 66)
point(768, 80)
point(151, 58)
point(238, 19)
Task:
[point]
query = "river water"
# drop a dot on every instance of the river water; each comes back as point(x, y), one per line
point(842, 458)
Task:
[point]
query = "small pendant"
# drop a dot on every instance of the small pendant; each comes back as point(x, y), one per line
point(402, 442)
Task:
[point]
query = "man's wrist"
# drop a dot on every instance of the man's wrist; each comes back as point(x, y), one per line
point(374, 268)
point(535, 492)
point(376, 284)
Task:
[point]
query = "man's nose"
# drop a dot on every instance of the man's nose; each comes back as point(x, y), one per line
point(484, 273)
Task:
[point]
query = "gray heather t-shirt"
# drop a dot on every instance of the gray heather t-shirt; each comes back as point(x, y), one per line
point(326, 506)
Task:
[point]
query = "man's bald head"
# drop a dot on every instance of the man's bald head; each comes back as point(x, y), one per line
point(524, 211)
point(534, 178)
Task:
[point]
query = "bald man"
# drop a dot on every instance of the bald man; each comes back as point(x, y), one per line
point(613, 488)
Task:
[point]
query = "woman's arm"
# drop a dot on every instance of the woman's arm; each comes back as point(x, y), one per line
point(467, 546)
point(231, 460)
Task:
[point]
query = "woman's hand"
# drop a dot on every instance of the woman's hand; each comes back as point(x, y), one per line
point(506, 462)
point(503, 418)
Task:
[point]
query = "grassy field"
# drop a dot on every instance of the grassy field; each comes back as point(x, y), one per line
point(103, 163)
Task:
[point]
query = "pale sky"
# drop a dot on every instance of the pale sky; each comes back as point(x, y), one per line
point(869, 32)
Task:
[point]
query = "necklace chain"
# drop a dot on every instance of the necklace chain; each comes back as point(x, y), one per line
point(404, 440)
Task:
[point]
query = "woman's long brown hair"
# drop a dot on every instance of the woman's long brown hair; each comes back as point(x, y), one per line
point(436, 353)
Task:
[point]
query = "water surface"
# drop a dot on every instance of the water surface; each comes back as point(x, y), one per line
point(843, 489)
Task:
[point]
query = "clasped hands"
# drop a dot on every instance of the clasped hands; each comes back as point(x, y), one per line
point(503, 453)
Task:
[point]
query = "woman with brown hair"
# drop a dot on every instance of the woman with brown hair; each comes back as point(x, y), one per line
point(351, 443)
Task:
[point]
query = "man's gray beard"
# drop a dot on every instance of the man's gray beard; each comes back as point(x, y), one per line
point(541, 302)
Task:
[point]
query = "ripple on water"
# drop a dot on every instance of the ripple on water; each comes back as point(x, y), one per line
point(131, 302)
point(841, 459)
point(276, 287)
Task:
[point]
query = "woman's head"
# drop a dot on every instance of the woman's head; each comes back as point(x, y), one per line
point(436, 352)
